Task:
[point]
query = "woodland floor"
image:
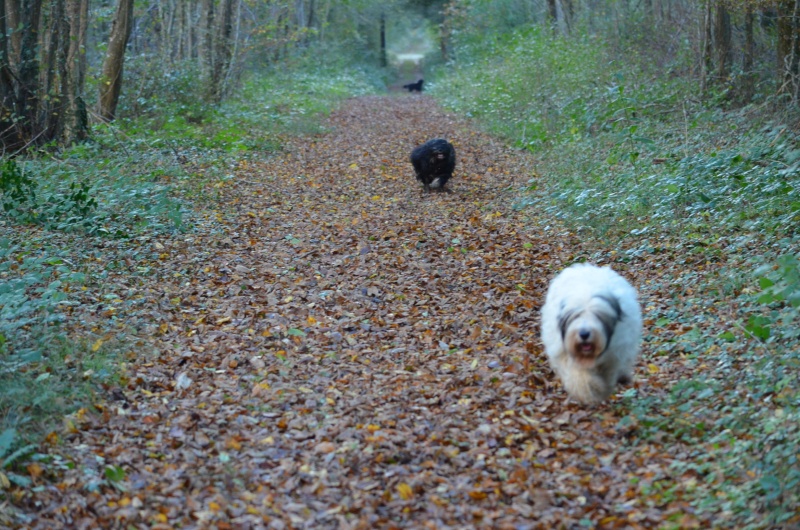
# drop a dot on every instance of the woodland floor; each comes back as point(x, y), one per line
point(336, 349)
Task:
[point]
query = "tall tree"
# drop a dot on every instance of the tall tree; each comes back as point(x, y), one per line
point(223, 50)
point(207, 24)
point(723, 40)
point(748, 58)
point(789, 46)
point(707, 46)
point(552, 12)
point(111, 80)
point(42, 85)
point(21, 100)
point(73, 125)
point(384, 60)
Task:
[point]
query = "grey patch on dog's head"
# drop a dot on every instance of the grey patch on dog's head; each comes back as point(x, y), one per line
point(612, 301)
point(609, 320)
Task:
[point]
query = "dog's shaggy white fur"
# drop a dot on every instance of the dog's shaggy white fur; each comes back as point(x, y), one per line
point(592, 330)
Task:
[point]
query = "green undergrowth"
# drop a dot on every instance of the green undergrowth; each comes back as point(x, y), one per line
point(624, 146)
point(737, 407)
point(44, 373)
point(284, 101)
point(137, 179)
point(636, 157)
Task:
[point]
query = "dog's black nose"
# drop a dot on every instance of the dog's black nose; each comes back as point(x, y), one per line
point(584, 334)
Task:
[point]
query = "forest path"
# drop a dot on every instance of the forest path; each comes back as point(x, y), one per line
point(340, 350)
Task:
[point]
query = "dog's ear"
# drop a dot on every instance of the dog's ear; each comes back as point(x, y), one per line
point(608, 320)
point(565, 318)
point(613, 302)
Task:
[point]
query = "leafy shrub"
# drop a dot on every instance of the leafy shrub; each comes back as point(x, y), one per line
point(65, 207)
point(9, 456)
point(781, 282)
point(99, 197)
point(42, 373)
point(18, 191)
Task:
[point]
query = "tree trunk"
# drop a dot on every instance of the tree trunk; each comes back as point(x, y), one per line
point(789, 46)
point(723, 40)
point(207, 53)
point(384, 61)
point(705, 60)
point(13, 20)
point(310, 23)
point(300, 13)
point(42, 89)
point(748, 59)
point(7, 128)
point(552, 11)
point(222, 51)
point(182, 28)
point(111, 80)
point(568, 13)
point(49, 71)
point(26, 98)
point(190, 29)
point(73, 123)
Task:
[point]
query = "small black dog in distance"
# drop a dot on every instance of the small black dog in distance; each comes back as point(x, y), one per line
point(414, 87)
point(434, 162)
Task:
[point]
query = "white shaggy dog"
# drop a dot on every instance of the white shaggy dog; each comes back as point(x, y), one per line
point(591, 329)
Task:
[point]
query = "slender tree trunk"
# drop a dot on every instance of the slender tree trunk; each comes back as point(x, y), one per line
point(552, 11)
point(705, 60)
point(723, 38)
point(207, 54)
point(190, 28)
point(74, 124)
point(384, 61)
point(222, 50)
point(27, 100)
point(789, 46)
point(52, 44)
point(748, 59)
point(323, 17)
point(168, 32)
point(278, 40)
point(7, 129)
point(568, 12)
point(310, 23)
point(113, 65)
point(180, 38)
point(794, 62)
point(300, 13)
point(13, 19)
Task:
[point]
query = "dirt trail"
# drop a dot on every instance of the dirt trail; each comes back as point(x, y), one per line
point(339, 350)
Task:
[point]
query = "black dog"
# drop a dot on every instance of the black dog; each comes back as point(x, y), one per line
point(434, 162)
point(414, 87)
